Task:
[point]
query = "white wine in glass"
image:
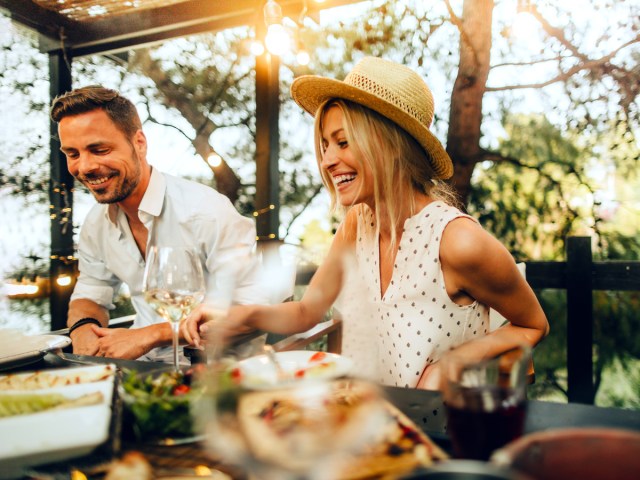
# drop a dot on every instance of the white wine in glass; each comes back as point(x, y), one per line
point(173, 286)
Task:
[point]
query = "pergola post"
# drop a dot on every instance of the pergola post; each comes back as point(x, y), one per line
point(267, 199)
point(62, 261)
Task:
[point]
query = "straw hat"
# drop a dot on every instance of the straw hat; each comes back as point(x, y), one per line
point(391, 89)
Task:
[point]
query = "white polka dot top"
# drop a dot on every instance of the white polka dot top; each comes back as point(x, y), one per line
point(394, 338)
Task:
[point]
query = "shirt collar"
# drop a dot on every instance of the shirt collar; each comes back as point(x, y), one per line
point(152, 201)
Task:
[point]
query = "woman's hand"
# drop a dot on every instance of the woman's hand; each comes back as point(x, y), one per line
point(210, 320)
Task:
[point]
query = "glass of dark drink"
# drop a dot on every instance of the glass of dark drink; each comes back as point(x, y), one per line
point(485, 401)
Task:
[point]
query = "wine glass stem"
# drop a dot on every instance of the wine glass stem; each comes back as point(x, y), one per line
point(175, 328)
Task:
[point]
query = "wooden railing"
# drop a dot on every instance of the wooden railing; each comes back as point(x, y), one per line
point(580, 276)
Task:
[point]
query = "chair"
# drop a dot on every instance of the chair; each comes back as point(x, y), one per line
point(332, 329)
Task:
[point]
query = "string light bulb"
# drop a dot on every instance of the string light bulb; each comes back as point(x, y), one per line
point(277, 39)
point(214, 160)
point(63, 280)
point(303, 58)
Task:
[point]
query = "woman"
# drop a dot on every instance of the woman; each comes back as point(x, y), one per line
point(429, 272)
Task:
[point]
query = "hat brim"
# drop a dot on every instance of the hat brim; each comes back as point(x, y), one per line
point(311, 91)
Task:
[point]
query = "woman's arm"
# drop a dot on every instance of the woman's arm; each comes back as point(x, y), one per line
point(476, 266)
point(289, 317)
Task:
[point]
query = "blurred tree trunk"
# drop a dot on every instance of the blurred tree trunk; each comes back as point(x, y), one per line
point(227, 182)
point(465, 116)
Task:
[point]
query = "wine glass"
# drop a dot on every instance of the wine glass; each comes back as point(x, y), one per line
point(293, 429)
point(173, 286)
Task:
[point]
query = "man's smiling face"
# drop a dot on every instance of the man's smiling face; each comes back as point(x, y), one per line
point(100, 156)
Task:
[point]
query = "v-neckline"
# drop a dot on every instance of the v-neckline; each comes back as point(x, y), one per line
point(383, 295)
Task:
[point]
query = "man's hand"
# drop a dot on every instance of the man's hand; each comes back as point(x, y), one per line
point(84, 341)
point(128, 343)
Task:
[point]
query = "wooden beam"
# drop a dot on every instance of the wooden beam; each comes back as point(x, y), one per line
point(30, 14)
point(120, 32)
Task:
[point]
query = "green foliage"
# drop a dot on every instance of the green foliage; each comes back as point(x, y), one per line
point(545, 194)
point(551, 354)
point(23, 85)
point(547, 186)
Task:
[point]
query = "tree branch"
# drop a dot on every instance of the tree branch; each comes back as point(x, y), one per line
point(315, 193)
point(585, 63)
point(457, 21)
point(152, 119)
point(556, 33)
point(529, 64)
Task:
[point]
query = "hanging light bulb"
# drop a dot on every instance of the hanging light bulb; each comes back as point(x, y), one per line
point(277, 40)
point(524, 6)
point(272, 13)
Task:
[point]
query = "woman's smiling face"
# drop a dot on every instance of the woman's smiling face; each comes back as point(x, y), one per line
point(352, 179)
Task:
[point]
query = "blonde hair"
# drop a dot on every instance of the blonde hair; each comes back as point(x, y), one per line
point(397, 161)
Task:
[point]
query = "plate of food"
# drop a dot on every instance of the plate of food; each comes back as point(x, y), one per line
point(53, 415)
point(158, 405)
point(273, 370)
point(18, 349)
point(393, 446)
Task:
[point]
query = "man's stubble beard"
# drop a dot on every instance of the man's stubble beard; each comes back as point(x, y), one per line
point(128, 185)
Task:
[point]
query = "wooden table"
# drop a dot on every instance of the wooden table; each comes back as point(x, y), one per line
point(425, 408)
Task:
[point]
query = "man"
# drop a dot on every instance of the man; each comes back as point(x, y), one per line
point(101, 135)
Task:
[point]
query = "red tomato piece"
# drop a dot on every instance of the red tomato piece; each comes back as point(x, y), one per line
point(318, 356)
point(181, 390)
point(236, 375)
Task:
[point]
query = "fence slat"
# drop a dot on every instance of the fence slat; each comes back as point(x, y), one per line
point(579, 320)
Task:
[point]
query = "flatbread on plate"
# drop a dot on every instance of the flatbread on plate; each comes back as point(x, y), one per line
point(294, 430)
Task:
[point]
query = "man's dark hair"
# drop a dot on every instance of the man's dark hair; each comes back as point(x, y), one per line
point(120, 110)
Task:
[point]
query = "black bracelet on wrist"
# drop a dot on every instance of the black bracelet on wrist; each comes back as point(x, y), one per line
point(84, 321)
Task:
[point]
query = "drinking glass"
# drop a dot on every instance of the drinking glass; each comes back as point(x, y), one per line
point(173, 286)
point(485, 401)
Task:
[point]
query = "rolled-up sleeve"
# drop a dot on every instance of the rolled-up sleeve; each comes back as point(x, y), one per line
point(233, 266)
point(95, 281)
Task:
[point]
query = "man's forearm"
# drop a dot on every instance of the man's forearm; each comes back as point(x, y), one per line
point(159, 334)
point(84, 308)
